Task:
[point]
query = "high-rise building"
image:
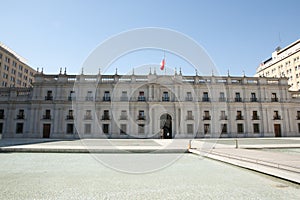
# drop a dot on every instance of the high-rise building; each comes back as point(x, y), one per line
point(283, 63)
point(14, 72)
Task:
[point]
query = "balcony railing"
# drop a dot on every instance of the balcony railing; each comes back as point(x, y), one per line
point(69, 117)
point(21, 116)
point(277, 117)
point(238, 99)
point(165, 98)
point(141, 98)
point(223, 118)
point(274, 99)
point(255, 117)
point(87, 117)
point(188, 98)
point(105, 117)
point(205, 99)
point(140, 117)
point(239, 117)
point(124, 98)
point(106, 98)
point(253, 99)
point(89, 98)
point(206, 117)
point(46, 116)
point(48, 98)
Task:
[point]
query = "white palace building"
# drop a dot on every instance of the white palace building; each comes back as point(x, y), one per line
point(149, 106)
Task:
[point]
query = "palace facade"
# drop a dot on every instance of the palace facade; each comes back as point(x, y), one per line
point(149, 106)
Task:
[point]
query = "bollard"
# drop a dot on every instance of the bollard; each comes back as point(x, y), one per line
point(236, 144)
point(190, 144)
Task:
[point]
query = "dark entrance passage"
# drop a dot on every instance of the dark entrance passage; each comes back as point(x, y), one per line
point(46, 130)
point(277, 130)
point(166, 126)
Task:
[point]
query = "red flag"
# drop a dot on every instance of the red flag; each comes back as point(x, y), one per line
point(162, 64)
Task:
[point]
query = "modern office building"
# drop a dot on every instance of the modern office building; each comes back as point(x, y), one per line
point(283, 63)
point(14, 72)
point(149, 106)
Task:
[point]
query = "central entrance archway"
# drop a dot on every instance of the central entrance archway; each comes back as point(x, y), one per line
point(166, 126)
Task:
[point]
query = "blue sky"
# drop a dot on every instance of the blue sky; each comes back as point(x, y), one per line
point(237, 35)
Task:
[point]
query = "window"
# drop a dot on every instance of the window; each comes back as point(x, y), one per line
point(240, 128)
point(141, 115)
point(238, 97)
point(206, 128)
point(49, 95)
point(223, 128)
point(20, 67)
point(141, 128)
point(206, 115)
point(1, 114)
point(7, 59)
point(276, 115)
point(106, 96)
point(124, 96)
point(239, 115)
point(298, 128)
point(105, 115)
point(253, 97)
point(70, 128)
point(123, 129)
point(87, 129)
point(298, 114)
point(205, 97)
point(255, 128)
point(70, 115)
point(105, 128)
point(189, 96)
point(88, 115)
point(141, 96)
point(20, 114)
point(89, 96)
point(47, 114)
point(223, 115)
point(19, 128)
point(254, 115)
point(165, 96)
point(190, 128)
point(222, 97)
point(190, 115)
point(1, 128)
point(6, 67)
point(123, 115)
point(274, 97)
point(71, 95)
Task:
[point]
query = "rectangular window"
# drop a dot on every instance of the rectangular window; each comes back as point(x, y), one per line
point(141, 128)
point(205, 97)
point(19, 128)
point(206, 115)
point(47, 114)
point(70, 128)
point(253, 97)
point(87, 129)
point(239, 115)
point(206, 128)
point(88, 115)
point(1, 128)
point(238, 97)
point(165, 96)
point(222, 97)
point(106, 96)
point(141, 96)
point(124, 96)
point(123, 115)
point(141, 115)
point(276, 115)
point(190, 129)
point(298, 114)
point(223, 128)
point(223, 115)
point(105, 115)
point(49, 95)
point(1, 114)
point(240, 128)
point(105, 128)
point(89, 96)
point(123, 129)
point(274, 97)
point(254, 115)
point(189, 96)
point(298, 128)
point(190, 115)
point(255, 128)
point(20, 114)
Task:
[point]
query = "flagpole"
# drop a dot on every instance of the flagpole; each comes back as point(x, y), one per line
point(165, 62)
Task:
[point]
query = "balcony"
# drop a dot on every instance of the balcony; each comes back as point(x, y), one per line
point(190, 118)
point(141, 98)
point(46, 116)
point(2, 116)
point(21, 116)
point(223, 118)
point(123, 98)
point(106, 98)
point(188, 98)
point(87, 117)
point(222, 99)
point(165, 98)
point(48, 98)
point(105, 117)
point(206, 117)
point(123, 117)
point(275, 99)
point(205, 99)
point(140, 117)
point(253, 99)
point(277, 117)
point(69, 117)
point(89, 98)
point(239, 117)
point(238, 99)
point(255, 117)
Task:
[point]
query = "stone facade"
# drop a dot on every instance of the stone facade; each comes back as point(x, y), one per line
point(149, 106)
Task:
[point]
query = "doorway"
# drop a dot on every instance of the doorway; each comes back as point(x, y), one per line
point(46, 130)
point(166, 126)
point(277, 130)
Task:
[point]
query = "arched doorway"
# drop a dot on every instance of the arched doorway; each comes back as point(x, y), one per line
point(166, 126)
